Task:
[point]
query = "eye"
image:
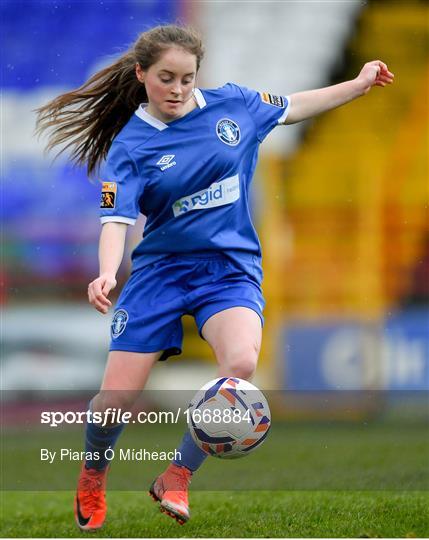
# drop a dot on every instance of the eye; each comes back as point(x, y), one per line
point(165, 80)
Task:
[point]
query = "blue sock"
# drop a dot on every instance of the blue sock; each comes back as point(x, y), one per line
point(192, 456)
point(97, 440)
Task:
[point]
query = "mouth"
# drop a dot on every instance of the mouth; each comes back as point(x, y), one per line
point(173, 102)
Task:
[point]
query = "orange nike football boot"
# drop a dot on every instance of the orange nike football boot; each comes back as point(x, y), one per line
point(171, 490)
point(90, 501)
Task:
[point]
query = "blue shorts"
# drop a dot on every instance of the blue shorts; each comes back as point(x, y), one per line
point(148, 313)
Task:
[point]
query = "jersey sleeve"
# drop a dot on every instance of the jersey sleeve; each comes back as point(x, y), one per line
point(121, 188)
point(267, 110)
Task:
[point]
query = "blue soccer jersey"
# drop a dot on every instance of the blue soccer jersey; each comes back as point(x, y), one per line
point(191, 177)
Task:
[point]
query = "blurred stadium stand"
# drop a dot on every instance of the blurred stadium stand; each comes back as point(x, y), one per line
point(356, 193)
point(349, 295)
point(50, 219)
point(280, 47)
point(50, 209)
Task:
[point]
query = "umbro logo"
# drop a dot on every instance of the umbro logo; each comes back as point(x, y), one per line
point(166, 162)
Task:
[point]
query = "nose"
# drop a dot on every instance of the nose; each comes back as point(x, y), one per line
point(177, 88)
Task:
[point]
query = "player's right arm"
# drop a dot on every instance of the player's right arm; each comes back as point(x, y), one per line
point(110, 253)
point(119, 207)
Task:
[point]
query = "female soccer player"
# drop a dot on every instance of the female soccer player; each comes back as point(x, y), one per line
point(183, 157)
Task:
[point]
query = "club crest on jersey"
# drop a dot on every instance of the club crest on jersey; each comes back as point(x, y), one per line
point(228, 131)
point(277, 101)
point(108, 195)
point(166, 162)
point(119, 322)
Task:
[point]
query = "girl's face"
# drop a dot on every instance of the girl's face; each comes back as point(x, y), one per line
point(169, 84)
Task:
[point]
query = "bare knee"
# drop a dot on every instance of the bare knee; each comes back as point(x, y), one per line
point(240, 362)
point(244, 369)
point(114, 399)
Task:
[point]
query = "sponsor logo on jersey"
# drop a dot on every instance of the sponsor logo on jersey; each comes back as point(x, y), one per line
point(166, 162)
point(217, 194)
point(277, 101)
point(119, 322)
point(228, 131)
point(108, 195)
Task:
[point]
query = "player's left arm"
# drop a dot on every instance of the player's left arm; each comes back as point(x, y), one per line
point(307, 104)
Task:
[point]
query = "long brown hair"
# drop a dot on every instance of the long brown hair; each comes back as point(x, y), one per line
point(87, 119)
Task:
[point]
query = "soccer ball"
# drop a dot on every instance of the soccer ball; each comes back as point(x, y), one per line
point(229, 417)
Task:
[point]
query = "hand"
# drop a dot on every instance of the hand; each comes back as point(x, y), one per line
point(99, 289)
point(375, 73)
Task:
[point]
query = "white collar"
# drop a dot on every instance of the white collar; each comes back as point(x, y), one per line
point(158, 124)
point(199, 98)
point(149, 119)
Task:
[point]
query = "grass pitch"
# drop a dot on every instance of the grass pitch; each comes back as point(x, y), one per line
point(320, 480)
point(227, 514)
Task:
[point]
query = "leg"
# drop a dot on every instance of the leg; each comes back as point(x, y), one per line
point(154, 304)
point(235, 335)
point(125, 376)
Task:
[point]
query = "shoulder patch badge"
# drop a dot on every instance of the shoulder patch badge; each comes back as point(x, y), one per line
point(108, 195)
point(277, 101)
